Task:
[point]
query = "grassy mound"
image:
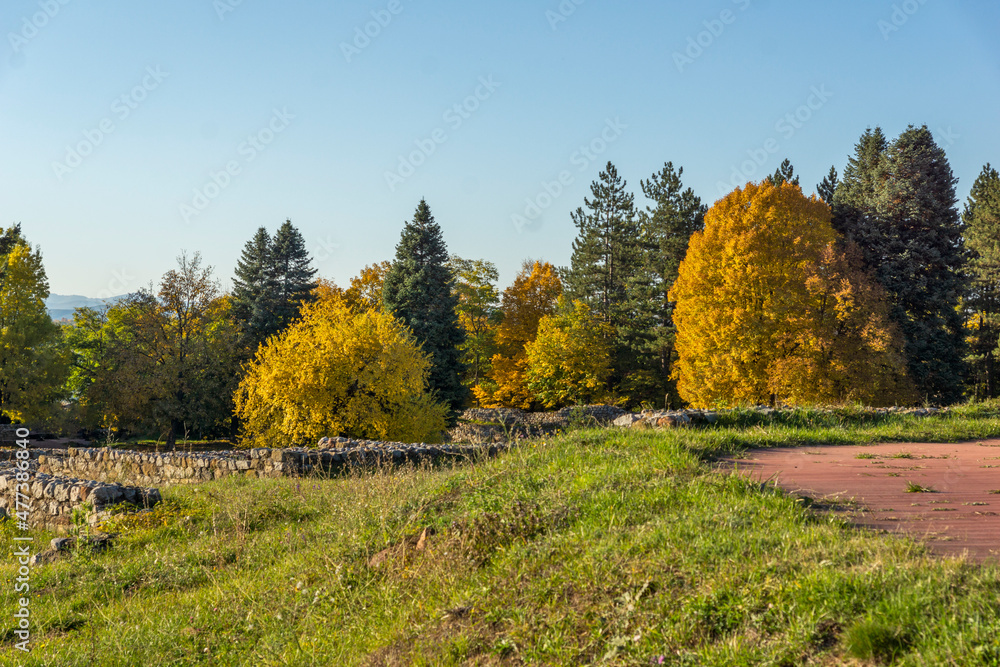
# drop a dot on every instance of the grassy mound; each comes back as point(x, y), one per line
point(593, 547)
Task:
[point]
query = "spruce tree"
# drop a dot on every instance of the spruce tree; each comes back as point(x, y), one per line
point(253, 290)
point(981, 219)
point(785, 173)
point(915, 250)
point(274, 278)
point(854, 198)
point(606, 267)
point(293, 275)
point(828, 186)
point(665, 230)
point(419, 291)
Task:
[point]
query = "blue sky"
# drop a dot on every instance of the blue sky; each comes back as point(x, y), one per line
point(228, 115)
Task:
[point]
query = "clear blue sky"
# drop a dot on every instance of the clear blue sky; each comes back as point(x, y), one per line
point(199, 78)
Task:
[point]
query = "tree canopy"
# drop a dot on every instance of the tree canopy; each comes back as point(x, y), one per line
point(339, 372)
point(769, 310)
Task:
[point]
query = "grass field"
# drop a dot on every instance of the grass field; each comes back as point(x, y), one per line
point(592, 547)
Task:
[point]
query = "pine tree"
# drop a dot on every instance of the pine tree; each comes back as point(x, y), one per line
point(253, 289)
point(606, 268)
point(293, 276)
point(854, 198)
point(915, 250)
point(666, 229)
point(982, 233)
point(785, 173)
point(419, 290)
point(828, 186)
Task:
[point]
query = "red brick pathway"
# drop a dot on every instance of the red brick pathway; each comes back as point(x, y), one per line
point(961, 515)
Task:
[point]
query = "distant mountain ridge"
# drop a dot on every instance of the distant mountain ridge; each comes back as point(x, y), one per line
point(61, 306)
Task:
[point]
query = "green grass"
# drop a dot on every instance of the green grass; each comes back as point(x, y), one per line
point(593, 547)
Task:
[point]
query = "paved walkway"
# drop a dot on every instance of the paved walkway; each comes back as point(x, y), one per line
point(960, 514)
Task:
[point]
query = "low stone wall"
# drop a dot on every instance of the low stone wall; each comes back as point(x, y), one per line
point(53, 500)
point(165, 469)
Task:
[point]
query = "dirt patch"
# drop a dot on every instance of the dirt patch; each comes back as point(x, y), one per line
point(945, 494)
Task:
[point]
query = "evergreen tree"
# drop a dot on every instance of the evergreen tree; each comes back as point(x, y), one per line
point(915, 250)
point(274, 278)
point(828, 186)
point(606, 268)
point(253, 289)
point(419, 290)
point(9, 238)
point(666, 229)
point(293, 276)
point(982, 233)
point(854, 198)
point(785, 173)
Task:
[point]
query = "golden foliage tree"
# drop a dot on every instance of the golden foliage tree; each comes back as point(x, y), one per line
point(339, 372)
point(768, 309)
point(569, 360)
point(33, 367)
point(365, 292)
point(532, 296)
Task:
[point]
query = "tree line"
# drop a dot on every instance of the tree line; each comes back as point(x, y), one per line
point(875, 289)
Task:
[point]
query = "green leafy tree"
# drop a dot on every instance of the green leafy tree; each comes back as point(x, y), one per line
point(419, 290)
point(568, 361)
point(982, 233)
point(478, 312)
point(166, 361)
point(33, 365)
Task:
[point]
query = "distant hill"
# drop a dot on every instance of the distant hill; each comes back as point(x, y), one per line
point(62, 307)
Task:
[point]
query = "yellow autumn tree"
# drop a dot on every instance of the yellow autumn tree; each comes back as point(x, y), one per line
point(365, 292)
point(339, 372)
point(569, 360)
point(769, 309)
point(33, 364)
point(532, 296)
